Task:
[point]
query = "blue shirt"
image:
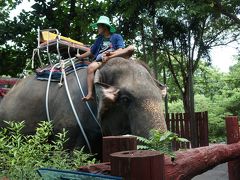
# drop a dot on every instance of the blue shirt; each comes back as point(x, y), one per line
point(116, 43)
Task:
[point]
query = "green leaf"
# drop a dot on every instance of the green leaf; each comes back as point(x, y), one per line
point(166, 135)
point(21, 155)
point(182, 140)
point(143, 140)
point(142, 147)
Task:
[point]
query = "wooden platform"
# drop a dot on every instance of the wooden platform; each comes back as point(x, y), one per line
point(56, 43)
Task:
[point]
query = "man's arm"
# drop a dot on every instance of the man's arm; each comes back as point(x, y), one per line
point(125, 53)
point(84, 55)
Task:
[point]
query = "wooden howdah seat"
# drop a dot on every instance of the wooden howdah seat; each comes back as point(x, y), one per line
point(58, 44)
point(54, 52)
point(53, 47)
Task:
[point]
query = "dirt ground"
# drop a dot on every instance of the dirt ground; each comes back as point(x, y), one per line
point(220, 172)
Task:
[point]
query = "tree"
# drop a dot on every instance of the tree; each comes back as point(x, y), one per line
point(138, 24)
point(188, 37)
point(185, 32)
point(209, 81)
point(8, 52)
point(228, 8)
point(72, 18)
point(189, 31)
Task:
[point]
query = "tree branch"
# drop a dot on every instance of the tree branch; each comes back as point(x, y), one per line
point(201, 159)
point(171, 68)
point(231, 16)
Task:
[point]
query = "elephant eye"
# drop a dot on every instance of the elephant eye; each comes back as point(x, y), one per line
point(124, 99)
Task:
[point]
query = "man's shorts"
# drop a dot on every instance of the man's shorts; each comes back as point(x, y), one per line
point(100, 56)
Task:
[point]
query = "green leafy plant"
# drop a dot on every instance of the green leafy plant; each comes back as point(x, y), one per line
point(21, 155)
point(160, 142)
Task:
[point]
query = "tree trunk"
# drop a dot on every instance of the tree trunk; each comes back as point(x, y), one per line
point(187, 164)
point(112, 144)
point(222, 10)
point(189, 109)
point(69, 18)
point(166, 97)
point(154, 43)
point(143, 43)
point(186, 100)
point(193, 162)
point(138, 165)
point(193, 123)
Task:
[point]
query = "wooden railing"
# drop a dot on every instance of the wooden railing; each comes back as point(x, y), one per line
point(179, 123)
point(153, 165)
point(6, 84)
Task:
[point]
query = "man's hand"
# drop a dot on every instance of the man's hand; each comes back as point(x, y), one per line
point(105, 56)
point(79, 56)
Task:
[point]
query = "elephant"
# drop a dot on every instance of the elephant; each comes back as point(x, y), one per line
point(128, 100)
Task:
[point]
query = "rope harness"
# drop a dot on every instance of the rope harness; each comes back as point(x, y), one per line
point(64, 77)
point(62, 63)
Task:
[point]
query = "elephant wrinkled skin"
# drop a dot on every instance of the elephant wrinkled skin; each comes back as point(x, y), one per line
point(129, 101)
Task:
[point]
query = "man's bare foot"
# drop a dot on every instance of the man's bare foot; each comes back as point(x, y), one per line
point(87, 98)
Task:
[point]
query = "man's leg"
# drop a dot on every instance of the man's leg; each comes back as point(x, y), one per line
point(90, 78)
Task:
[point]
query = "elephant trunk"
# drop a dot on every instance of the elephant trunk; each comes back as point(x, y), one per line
point(149, 115)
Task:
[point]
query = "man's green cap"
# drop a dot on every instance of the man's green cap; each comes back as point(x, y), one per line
point(104, 20)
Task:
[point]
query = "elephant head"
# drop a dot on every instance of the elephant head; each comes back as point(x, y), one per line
point(129, 98)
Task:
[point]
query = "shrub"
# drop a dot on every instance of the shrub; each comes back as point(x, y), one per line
point(217, 111)
point(160, 142)
point(21, 155)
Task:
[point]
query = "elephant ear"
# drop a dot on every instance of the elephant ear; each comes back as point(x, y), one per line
point(106, 96)
point(162, 87)
point(104, 92)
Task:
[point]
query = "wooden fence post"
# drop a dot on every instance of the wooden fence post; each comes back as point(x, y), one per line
point(112, 144)
point(205, 129)
point(232, 128)
point(138, 165)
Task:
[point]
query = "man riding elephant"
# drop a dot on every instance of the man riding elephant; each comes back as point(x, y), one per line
point(108, 45)
point(129, 99)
